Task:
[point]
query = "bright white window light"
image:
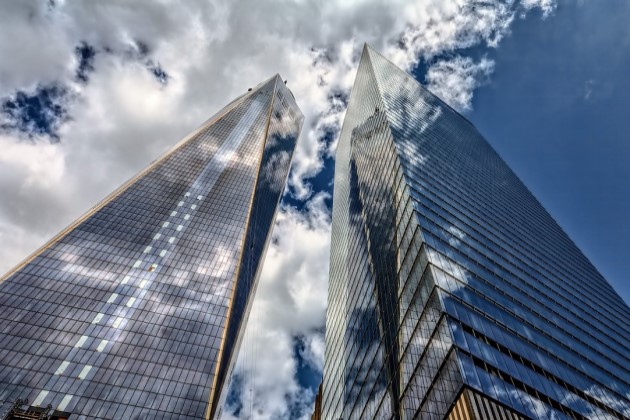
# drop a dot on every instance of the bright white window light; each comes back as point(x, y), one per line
point(112, 298)
point(84, 372)
point(102, 346)
point(97, 319)
point(40, 398)
point(81, 341)
point(64, 403)
point(62, 367)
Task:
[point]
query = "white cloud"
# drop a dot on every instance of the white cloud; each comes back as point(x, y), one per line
point(313, 353)
point(546, 6)
point(437, 27)
point(588, 89)
point(290, 302)
point(212, 51)
point(454, 80)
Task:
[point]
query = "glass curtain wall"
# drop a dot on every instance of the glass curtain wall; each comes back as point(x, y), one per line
point(449, 277)
point(136, 310)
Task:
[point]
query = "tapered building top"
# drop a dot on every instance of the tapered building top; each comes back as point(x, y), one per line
point(453, 292)
point(136, 310)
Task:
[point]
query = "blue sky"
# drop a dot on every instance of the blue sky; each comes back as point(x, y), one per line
point(556, 109)
point(545, 81)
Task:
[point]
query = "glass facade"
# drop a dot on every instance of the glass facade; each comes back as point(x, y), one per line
point(135, 311)
point(449, 279)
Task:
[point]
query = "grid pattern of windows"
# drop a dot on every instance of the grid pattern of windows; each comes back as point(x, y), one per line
point(447, 273)
point(135, 310)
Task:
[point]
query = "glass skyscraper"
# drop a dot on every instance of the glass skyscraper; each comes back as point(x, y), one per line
point(136, 310)
point(453, 293)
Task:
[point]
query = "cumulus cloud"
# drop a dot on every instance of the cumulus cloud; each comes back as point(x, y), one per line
point(141, 75)
point(437, 27)
point(546, 6)
point(290, 302)
point(454, 80)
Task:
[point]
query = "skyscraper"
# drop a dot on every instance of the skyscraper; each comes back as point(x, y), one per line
point(453, 293)
point(136, 310)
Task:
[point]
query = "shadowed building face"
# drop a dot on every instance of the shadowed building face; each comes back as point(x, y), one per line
point(452, 291)
point(136, 310)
